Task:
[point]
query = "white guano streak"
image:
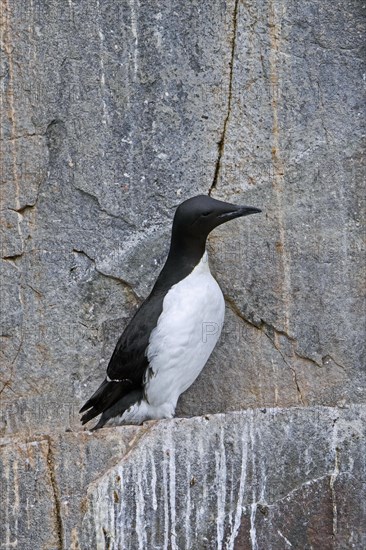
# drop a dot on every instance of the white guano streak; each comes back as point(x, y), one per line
point(173, 534)
point(220, 457)
point(253, 532)
point(242, 483)
point(122, 508)
point(333, 477)
point(188, 514)
point(140, 503)
point(284, 538)
point(153, 482)
point(165, 500)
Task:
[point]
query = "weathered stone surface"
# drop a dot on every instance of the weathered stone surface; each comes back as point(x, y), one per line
point(119, 108)
point(43, 481)
point(293, 278)
point(27, 495)
point(111, 114)
point(114, 113)
point(252, 479)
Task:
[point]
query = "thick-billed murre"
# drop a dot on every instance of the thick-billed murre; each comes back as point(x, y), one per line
point(164, 348)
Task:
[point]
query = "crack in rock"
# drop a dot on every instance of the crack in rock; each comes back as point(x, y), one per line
point(7, 384)
point(139, 435)
point(13, 257)
point(97, 201)
point(26, 207)
point(266, 328)
point(221, 144)
point(298, 488)
point(129, 288)
point(21, 136)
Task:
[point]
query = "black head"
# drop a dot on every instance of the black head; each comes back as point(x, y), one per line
point(195, 218)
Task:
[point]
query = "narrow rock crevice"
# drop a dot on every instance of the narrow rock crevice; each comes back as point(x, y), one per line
point(38, 292)
point(296, 381)
point(20, 136)
point(128, 287)
point(9, 381)
point(12, 257)
point(221, 144)
point(292, 369)
point(7, 384)
point(272, 333)
point(267, 505)
point(266, 329)
point(140, 432)
point(97, 201)
point(306, 358)
point(24, 208)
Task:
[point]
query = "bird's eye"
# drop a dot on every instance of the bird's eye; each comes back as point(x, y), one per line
point(206, 214)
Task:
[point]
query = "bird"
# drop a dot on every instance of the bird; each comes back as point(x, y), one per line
point(171, 336)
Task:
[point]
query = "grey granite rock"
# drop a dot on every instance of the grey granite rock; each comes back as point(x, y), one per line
point(111, 114)
point(111, 117)
point(251, 479)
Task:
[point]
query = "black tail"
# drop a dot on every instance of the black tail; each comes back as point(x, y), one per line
point(119, 408)
point(106, 395)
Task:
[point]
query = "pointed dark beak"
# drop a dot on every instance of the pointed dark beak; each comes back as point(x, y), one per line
point(239, 211)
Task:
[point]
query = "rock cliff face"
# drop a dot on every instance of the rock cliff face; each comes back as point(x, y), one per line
point(269, 478)
point(111, 114)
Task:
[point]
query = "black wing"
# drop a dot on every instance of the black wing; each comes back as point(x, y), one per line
point(128, 363)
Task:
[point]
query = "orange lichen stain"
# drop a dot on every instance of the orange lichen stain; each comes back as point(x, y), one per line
point(75, 545)
point(275, 62)
point(279, 247)
point(84, 505)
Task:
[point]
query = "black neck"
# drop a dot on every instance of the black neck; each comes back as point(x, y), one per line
point(184, 255)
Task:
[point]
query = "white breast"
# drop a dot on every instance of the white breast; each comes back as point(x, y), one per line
point(187, 331)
